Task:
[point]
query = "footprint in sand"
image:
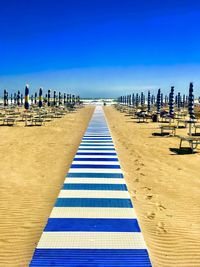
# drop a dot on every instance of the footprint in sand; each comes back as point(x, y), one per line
point(146, 188)
point(151, 215)
point(161, 227)
point(137, 169)
point(160, 207)
point(148, 197)
point(136, 180)
point(142, 174)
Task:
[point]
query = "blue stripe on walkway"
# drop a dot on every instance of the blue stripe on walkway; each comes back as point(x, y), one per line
point(96, 149)
point(91, 225)
point(91, 258)
point(113, 187)
point(94, 175)
point(95, 159)
point(82, 144)
point(96, 154)
point(94, 202)
point(95, 166)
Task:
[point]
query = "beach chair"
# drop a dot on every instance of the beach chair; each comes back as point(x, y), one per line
point(168, 129)
point(196, 127)
point(9, 121)
point(192, 140)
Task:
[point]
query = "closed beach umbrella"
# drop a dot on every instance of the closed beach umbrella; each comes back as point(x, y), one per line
point(191, 102)
point(26, 103)
point(15, 98)
point(161, 100)
point(171, 103)
point(129, 100)
point(149, 102)
point(183, 103)
point(137, 100)
point(31, 99)
point(18, 98)
point(125, 99)
point(142, 99)
point(64, 98)
point(5, 98)
point(49, 98)
point(179, 101)
point(11, 99)
point(158, 103)
point(73, 99)
point(166, 100)
point(60, 98)
point(133, 100)
point(54, 98)
point(35, 98)
point(22, 99)
point(40, 98)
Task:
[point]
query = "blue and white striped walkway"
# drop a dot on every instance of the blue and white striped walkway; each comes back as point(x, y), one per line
point(93, 223)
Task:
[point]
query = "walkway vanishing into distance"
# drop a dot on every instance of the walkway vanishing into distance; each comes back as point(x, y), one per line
point(93, 222)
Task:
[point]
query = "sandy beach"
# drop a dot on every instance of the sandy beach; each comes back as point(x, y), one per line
point(165, 189)
point(164, 186)
point(34, 162)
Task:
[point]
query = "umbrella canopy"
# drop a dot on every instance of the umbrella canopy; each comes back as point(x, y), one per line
point(40, 98)
point(171, 103)
point(158, 103)
point(54, 98)
point(191, 102)
point(149, 102)
point(11, 98)
point(26, 103)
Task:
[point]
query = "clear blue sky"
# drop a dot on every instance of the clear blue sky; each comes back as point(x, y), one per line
point(100, 47)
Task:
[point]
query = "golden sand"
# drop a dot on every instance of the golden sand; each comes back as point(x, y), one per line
point(34, 162)
point(165, 189)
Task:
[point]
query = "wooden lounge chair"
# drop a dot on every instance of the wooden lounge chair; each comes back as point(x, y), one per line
point(192, 140)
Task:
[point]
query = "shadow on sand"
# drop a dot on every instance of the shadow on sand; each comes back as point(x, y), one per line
point(182, 151)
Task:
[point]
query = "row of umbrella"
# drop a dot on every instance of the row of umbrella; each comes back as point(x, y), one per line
point(136, 100)
point(60, 99)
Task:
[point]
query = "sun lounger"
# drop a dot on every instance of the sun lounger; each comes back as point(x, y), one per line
point(192, 140)
point(195, 128)
point(185, 123)
point(167, 129)
point(9, 121)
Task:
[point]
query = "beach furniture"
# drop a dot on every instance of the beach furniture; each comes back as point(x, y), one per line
point(168, 129)
point(196, 127)
point(9, 121)
point(93, 222)
point(191, 140)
